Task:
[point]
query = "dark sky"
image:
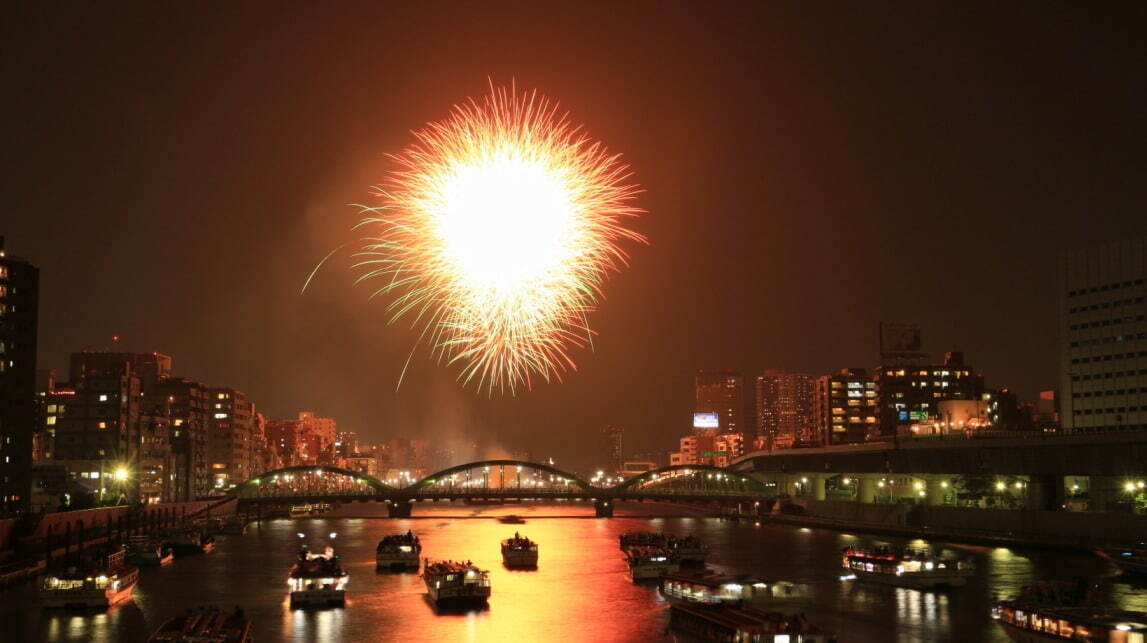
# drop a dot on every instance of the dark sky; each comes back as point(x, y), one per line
point(177, 169)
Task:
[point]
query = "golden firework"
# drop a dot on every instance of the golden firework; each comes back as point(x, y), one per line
point(494, 235)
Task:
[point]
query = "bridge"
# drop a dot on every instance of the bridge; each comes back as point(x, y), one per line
point(490, 480)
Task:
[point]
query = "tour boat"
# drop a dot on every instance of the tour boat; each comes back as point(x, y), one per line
point(711, 589)
point(727, 623)
point(317, 579)
point(511, 520)
point(649, 562)
point(451, 583)
point(914, 568)
point(145, 551)
point(206, 625)
point(190, 541)
point(1059, 612)
point(301, 511)
point(519, 551)
point(1132, 561)
point(103, 579)
point(399, 551)
point(687, 550)
point(641, 539)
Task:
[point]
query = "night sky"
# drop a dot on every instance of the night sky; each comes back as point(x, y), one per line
point(177, 169)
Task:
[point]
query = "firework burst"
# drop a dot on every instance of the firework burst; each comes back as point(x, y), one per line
point(494, 235)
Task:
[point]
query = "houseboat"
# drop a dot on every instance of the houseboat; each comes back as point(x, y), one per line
point(317, 579)
point(649, 562)
point(452, 583)
point(190, 542)
point(726, 623)
point(206, 625)
point(145, 551)
point(1131, 561)
point(711, 589)
point(641, 539)
point(1060, 612)
point(913, 568)
point(519, 551)
point(399, 552)
point(101, 579)
point(687, 550)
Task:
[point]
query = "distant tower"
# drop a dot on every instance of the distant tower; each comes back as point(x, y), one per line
point(19, 304)
point(723, 393)
point(612, 451)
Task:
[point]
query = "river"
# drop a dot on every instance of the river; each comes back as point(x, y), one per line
point(579, 592)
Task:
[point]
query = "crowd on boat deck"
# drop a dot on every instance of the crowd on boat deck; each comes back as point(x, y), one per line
point(685, 542)
point(393, 541)
point(326, 564)
point(1061, 593)
point(519, 541)
point(449, 566)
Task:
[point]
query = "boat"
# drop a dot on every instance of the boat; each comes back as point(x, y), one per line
point(712, 589)
point(649, 562)
point(302, 511)
point(317, 579)
point(145, 551)
point(205, 625)
point(687, 549)
point(452, 583)
point(641, 539)
point(1063, 612)
point(727, 623)
point(914, 568)
point(233, 526)
point(512, 519)
point(519, 551)
point(190, 541)
point(398, 552)
point(102, 579)
point(1131, 561)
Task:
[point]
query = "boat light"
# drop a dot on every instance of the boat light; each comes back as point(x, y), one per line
point(405, 548)
point(300, 535)
point(848, 577)
point(334, 534)
point(732, 587)
point(658, 559)
point(761, 585)
point(928, 565)
point(1122, 627)
point(899, 569)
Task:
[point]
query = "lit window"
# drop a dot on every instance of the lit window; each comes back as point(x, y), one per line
point(103, 398)
point(103, 425)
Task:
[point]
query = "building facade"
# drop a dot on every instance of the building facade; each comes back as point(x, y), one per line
point(784, 410)
point(723, 393)
point(909, 392)
point(1103, 337)
point(845, 407)
point(612, 448)
point(229, 437)
point(19, 310)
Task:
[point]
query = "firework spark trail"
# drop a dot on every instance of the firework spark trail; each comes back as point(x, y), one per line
point(495, 235)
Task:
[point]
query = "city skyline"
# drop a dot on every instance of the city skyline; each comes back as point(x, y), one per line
point(893, 198)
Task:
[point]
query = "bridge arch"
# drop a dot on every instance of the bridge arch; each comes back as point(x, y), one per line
point(680, 471)
point(538, 466)
point(302, 469)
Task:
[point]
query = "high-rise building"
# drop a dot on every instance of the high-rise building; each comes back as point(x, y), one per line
point(19, 307)
point(156, 462)
point(844, 407)
point(784, 409)
point(612, 453)
point(228, 437)
point(184, 403)
point(723, 393)
point(909, 392)
point(286, 439)
point(97, 428)
point(708, 447)
point(322, 436)
point(1103, 337)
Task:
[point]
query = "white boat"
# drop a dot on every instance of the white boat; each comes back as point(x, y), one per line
point(711, 589)
point(913, 568)
point(399, 551)
point(649, 562)
point(317, 579)
point(519, 551)
point(729, 623)
point(450, 583)
point(101, 581)
point(1059, 612)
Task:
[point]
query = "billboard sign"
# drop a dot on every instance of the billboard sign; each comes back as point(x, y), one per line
point(706, 421)
point(900, 340)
